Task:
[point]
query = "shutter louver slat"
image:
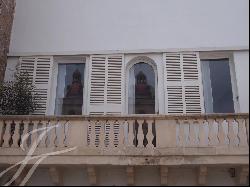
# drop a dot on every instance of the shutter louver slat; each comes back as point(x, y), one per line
point(190, 67)
point(39, 70)
point(183, 83)
point(173, 67)
point(114, 80)
point(97, 81)
point(106, 85)
point(175, 103)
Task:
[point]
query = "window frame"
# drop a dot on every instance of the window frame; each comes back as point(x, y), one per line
point(225, 55)
point(129, 65)
point(68, 60)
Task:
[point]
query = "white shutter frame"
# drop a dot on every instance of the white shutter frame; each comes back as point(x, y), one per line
point(107, 98)
point(183, 83)
point(40, 75)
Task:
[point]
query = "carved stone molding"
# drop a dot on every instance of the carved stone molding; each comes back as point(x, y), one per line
point(164, 175)
point(244, 173)
point(131, 175)
point(56, 176)
point(91, 170)
point(202, 175)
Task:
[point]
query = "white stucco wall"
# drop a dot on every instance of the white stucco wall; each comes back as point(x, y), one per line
point(93, 26)
point(241, 61)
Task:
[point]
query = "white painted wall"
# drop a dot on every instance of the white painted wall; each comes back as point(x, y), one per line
point(241, 60)
point(93, 26)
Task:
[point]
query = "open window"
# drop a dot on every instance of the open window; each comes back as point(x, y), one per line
point(141, 89)
point(219, 85)
point(70, 88)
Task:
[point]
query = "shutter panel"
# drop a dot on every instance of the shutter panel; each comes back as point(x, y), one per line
point(183, 84)
point(40, 71)
point(106, 85)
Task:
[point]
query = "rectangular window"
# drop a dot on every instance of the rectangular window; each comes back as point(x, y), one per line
point(217, 85)
point(70, 89)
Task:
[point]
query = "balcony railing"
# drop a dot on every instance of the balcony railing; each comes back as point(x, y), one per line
point(136, 135)
point(139, 140)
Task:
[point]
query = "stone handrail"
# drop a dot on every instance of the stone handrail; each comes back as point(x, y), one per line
point(133, 131)
point(127, 117)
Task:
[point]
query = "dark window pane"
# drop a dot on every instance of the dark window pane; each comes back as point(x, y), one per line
point(142, 89)
point(70, 84)
point(216, 77)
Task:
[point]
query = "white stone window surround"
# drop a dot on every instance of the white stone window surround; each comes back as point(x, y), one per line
point(68, 60)
point(213, 55)
point(156, 62)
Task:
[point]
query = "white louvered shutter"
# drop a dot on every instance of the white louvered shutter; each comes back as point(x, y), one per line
point(183, 84)
point(106, 85)
point(40, 72)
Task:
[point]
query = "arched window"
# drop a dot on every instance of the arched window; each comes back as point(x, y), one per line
point(141, 89)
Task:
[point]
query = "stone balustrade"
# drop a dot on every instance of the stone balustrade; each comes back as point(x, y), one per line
point(137, 132)
point(199, 141)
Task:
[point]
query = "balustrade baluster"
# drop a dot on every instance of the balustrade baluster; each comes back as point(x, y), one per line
point(66, 134)
point(60, 133)
point(21, 131)
point(97, 130)
point(192, 135)
point(1, 132)
point(232, 135)
point(7, 134)
point(39, 132)
point(212, 132)
point(92, 135)
point(107, 133)
point(150, 136)
point(34, 134)
point(111, 135)
point(116, 133)
point(242, 135)
point(102, 134)
point(247, 127)
point(52, 133)
point(126, 131)
point(121, 134)
point(140, 135)
point(131, 134)
point(47, 140)
point(181, 135)
point(24, 142)
point(221, 133)
point(41, 125)
point(203, 137)
point(16, 135)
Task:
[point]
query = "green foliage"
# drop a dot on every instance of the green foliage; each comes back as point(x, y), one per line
point(17, 97)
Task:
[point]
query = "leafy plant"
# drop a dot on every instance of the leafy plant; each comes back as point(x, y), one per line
point(18, 97)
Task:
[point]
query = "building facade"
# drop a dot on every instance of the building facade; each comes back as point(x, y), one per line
point(7, 13)
point(132, 93)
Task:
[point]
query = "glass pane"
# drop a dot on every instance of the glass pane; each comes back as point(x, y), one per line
point(70, 84)
point(142, 89)
point(217, 86)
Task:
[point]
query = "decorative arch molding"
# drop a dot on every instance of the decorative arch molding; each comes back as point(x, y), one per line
point(139, 59)
point(129, 65)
